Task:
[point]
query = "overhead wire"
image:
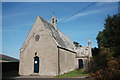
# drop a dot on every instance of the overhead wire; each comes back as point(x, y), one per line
point(77, 12)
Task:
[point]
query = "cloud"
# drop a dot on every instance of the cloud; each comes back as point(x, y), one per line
point(82, 14)
point(60, 0)
point(100, 3)
point(17, 28)
point(14, 15)
point(104, 7)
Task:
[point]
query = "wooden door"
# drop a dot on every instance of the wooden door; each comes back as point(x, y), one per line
point(36, 64)
point(80, 64)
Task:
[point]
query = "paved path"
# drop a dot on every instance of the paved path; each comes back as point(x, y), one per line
point(34, 77)
point(49, 78)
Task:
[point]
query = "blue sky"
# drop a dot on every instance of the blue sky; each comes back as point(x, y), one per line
point(18, 18)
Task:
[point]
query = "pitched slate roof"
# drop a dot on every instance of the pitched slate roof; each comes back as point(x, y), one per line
point(60, 38)
point(5, 58)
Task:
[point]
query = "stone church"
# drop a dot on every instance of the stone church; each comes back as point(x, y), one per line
point(47, 51)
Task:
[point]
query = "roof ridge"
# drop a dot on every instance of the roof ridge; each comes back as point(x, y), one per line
point(55, 34)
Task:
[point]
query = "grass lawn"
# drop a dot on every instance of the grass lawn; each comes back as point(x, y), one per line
point(75, 73)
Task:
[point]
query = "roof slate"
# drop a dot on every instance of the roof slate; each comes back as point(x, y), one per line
point(60, 38)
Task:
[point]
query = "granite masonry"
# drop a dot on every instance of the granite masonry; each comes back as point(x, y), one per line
point(49, 52)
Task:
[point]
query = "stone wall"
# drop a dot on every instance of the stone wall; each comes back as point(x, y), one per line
point(85, 63)
point(67, 61)
point(45, 48)
point(85, 54)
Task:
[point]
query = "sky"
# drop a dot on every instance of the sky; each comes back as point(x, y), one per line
point(59, 0)
point(18, 18)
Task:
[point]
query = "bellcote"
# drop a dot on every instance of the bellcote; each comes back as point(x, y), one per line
point(53, 21)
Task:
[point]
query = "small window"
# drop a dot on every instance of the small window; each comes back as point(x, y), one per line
point(53, 21)
point(37, 37)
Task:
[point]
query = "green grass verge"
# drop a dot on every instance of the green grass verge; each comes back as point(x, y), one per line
point(75, 73)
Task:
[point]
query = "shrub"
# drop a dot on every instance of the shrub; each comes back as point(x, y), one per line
point(111, 71)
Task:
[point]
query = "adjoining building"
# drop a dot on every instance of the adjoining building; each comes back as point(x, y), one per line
point(83, 55)
point(48, 51)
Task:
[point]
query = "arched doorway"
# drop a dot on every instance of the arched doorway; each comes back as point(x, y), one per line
point(80, 64)
point(36, 64)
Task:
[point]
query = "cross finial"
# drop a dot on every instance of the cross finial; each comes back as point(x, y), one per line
point(53, 13)
point(88, 39)
point(89, 43)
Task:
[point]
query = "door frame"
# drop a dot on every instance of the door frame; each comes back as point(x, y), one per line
point(36, 64)
point(80, 63)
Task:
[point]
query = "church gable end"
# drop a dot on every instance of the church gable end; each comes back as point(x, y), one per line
point(38, 41)
point(37, 26)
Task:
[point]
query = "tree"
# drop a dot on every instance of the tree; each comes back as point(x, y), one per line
point(95, 51)
point(76, 44)
point(110, 36)
point(107, 62)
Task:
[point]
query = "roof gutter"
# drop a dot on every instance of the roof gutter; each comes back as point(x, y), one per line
point(66, 49)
